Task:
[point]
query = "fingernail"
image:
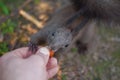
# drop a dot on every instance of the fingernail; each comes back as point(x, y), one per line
point(44, 51)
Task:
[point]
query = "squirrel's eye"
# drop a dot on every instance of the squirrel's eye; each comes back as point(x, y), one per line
point(66, 45)
point(53, 34)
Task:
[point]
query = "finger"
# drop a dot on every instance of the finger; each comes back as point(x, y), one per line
point(52, 72)
point(40, 57)
point(42, 53)
point(21, 52)
point(52, 63)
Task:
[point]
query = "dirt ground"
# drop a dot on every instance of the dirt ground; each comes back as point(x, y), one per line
point(101, 63)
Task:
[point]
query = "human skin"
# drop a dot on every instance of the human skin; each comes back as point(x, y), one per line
point(20, 65)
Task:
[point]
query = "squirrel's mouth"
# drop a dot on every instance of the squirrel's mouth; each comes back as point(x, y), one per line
point(51, 47)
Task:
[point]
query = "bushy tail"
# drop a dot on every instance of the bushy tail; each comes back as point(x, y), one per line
point(105, 10)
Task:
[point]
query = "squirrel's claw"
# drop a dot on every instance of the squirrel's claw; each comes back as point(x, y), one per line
point(32, 47)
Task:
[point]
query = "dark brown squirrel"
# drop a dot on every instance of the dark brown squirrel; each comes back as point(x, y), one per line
point(58, 32)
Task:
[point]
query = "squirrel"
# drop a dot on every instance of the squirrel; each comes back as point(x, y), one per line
point(66, 23)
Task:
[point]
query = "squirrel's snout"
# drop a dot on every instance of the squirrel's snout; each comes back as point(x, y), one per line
point(53, 48)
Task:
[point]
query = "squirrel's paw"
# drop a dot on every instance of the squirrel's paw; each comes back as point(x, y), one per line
point(32, 47)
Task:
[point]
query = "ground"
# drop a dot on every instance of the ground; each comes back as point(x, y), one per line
point(102, 63)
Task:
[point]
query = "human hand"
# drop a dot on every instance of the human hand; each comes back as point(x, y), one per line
point(16, 65)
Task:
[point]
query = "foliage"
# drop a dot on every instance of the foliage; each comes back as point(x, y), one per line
point(3, 48)
point(3, 8)
point(74, 50)
point(102, 67)
point(116, 54)
point(64, 77)
point(9, 1)
point(7, 27)
point(36, 1)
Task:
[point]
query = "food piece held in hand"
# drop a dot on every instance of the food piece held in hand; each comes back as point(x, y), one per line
point(51, 53)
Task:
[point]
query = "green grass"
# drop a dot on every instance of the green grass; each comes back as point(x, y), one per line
point(74, 50)
point(8, 27)
point(100, 68)
point(3, 48)
point(4, 8)
point(64, 77)
point(109, 31)
point(116, 57)
point(116, 54)
point(13, 2)
point(97, 78)
point(36, 1)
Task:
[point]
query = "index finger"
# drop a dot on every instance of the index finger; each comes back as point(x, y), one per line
point(21, 52)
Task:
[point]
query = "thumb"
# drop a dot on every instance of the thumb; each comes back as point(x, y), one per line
point(44, 53)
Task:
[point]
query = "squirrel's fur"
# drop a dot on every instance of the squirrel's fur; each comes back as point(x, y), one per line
point(104, 10)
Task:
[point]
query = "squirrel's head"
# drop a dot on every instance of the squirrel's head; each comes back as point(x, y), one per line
point(59, 39)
